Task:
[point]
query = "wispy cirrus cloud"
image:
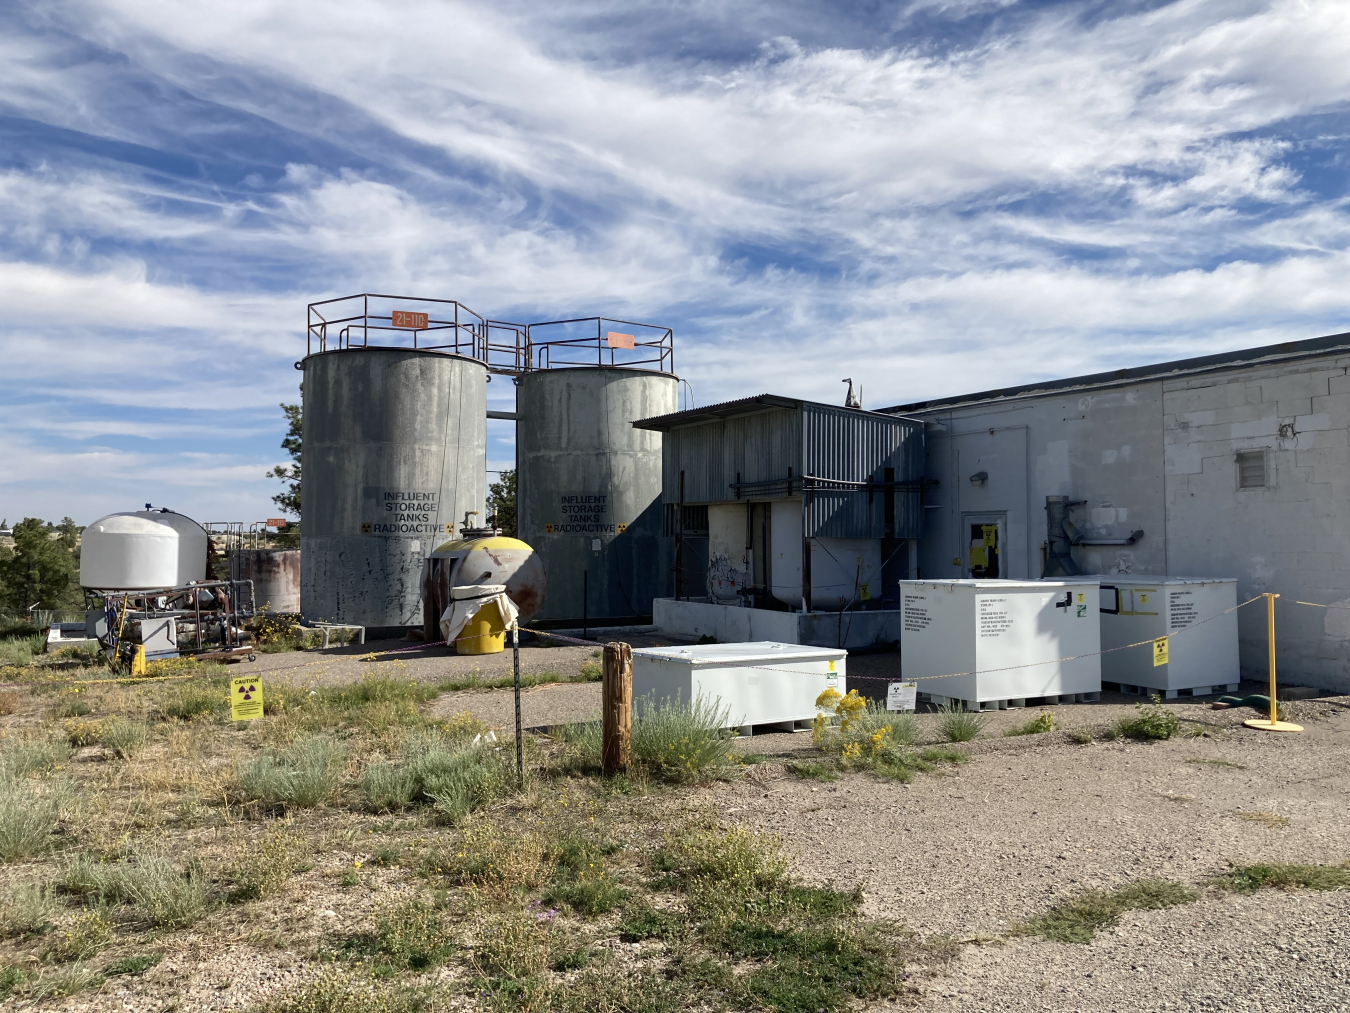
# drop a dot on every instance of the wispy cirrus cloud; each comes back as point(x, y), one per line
point(937, 195)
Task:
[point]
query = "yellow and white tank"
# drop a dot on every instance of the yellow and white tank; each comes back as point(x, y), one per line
point(489, 559)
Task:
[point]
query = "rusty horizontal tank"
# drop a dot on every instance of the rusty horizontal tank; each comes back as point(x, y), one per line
point(275, 574)
point(488, 559)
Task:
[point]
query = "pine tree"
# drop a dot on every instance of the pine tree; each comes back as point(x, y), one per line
point(289, 501)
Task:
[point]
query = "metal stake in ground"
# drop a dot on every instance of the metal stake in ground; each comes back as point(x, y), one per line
point(616, 714)
point(1274, 724)
point(515, 661)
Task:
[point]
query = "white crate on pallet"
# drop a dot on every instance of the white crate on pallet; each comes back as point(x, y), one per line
point(1137, 607)
point(1010, 634)
point(759, 683)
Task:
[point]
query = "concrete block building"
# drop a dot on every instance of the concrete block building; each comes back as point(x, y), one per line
point(1231, 465)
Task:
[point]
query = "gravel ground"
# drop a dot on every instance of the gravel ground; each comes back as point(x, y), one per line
point(539, 707)
point(1030, 821)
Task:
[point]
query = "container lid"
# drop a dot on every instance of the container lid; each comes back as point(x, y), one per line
point(1000, 585)
point(1127, 579)
point(755, 652)
point(476, 591)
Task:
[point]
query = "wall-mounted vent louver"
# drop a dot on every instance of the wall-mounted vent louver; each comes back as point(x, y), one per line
point(1251, 469)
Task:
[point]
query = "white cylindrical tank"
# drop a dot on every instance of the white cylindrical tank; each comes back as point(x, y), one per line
point(141, 550)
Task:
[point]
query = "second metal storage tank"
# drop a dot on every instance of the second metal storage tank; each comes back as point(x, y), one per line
point(589, 488)
point(394, 444)
point(275, 574)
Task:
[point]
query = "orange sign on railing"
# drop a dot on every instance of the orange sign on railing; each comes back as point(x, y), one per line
point(617, 340)
point(405, 318)
point(276, 522)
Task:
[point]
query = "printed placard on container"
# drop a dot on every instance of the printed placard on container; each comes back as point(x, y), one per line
point(902, 696)
point(1159, 652)
point(410, 320)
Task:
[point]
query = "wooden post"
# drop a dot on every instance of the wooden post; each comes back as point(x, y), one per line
point(616, 693)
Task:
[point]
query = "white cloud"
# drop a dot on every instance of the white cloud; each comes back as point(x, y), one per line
point(1058, 196)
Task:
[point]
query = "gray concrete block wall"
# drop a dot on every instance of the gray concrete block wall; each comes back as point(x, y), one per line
point(1290, 537)
point(1161, 455)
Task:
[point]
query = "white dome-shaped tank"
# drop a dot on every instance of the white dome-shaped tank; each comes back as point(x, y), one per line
point(492, 559)
point(142, 550)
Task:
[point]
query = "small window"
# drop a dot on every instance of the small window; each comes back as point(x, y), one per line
point(1251, 468)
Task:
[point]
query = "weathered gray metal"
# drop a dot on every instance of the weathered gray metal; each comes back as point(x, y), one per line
point(769, 447)
point(275, 574)
point(586, 476)
point(394, 444)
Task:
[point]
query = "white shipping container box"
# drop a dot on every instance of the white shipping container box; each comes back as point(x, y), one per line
point(758, 683)
point(1137, 607)
point(1011, 634)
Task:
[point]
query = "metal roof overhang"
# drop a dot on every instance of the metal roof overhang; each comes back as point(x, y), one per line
point(1264, 355)
point(745, 406)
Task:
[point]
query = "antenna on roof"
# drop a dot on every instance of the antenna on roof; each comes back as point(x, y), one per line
point(852, 400)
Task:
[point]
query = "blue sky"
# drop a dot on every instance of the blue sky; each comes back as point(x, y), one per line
point(932, 196)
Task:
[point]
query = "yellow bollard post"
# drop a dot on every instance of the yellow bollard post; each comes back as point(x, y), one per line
point(1274, 724)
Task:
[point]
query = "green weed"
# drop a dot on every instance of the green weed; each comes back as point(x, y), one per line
point(167, 895)
point(22, 756)
point(81, 936)
point(1039, 725)
point(642, 921)
point(267, 865)
point(339, 992)
point(27, 909)
point(303, 775)
point(1151, 723)
point(814, 770)
point(30, 812)
point(958, 724)
point(411, 937)
point(132, 965)
point(194, 699)
point(1077, 920)
point(1250, 878)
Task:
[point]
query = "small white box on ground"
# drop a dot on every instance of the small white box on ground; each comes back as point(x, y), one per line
point(1137, 607)
point(759, 683)
point(1000, 642)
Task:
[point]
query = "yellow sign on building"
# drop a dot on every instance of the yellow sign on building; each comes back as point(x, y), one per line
point(246, 699)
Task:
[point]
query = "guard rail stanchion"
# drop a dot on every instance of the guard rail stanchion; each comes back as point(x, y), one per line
point(1274, 724)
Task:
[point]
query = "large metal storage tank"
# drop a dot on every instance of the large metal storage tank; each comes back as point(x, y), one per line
point(275, 574)
point(589, 488)
point(394, 443)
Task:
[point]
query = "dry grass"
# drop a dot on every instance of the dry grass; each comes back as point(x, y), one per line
point(1273, 820)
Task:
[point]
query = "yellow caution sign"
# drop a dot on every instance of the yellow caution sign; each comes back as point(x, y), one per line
point(831, 666)
point(246, 701)
point(1159, 652)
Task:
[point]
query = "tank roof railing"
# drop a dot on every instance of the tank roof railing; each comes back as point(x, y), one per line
point(433, 325)
point(370, 320)
point(649, 347)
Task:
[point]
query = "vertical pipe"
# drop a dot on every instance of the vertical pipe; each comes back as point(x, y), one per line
point(1270, 648)
point(585, 601)
point(806, 548)
point(679, 543)
point(515, 664)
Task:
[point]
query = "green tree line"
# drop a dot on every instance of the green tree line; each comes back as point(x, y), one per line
point(42, 570)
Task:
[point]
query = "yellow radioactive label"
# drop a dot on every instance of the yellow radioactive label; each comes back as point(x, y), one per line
point(1082, 597)
point(865, 592)
point(1159, 652)
point(246, 701)
point(831, 666)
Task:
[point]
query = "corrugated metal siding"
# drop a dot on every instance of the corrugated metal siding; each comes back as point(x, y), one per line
point(759, 447)
point(854, 447)
point(814, 440)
